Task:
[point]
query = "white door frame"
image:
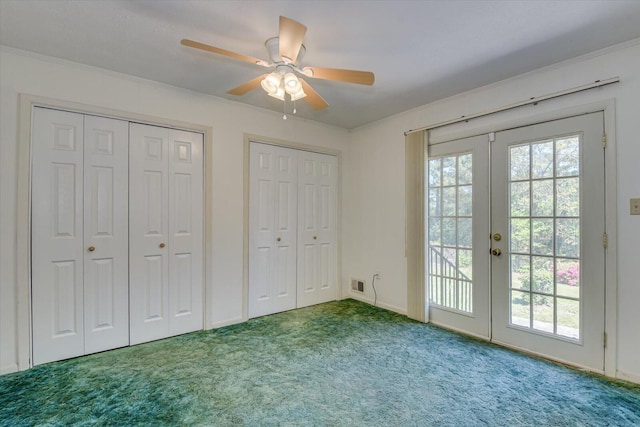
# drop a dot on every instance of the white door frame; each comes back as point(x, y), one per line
point(23, 253)
point(248, 138)
point(607, 106)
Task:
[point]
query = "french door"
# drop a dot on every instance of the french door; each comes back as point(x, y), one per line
point(458, 188)
point(545, 241)
point(548, 268)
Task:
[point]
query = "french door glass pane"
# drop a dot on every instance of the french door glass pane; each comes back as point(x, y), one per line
point(544, 239)
point(450, 196)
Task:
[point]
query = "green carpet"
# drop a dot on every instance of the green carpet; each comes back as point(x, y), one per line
point(343, 363)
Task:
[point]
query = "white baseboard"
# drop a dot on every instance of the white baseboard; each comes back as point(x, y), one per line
point(628, 377)
point(8, 369)
point(226, 322)
point(553, 359)
point(360, 297)
point(460, 331)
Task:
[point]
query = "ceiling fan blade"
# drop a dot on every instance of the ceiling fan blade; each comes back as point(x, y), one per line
point(291, 38)
point(349, 76)
point(248, 86)
point(312, 98)
point(213, 49)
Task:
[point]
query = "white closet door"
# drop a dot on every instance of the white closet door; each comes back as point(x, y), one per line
point(148, 232)
point(185, 232)
point(106, 235)
point(57, 242)
point(272, 229)
point(317, 233)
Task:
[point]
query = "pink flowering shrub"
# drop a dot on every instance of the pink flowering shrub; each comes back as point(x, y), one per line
point(570, 276)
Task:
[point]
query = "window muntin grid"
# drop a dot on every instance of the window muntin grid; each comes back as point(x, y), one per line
point(450, 231)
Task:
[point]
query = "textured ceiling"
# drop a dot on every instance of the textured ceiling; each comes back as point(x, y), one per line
point(420, 51)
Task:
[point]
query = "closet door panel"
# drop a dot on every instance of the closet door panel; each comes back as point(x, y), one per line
point(317, 233)
point(106, 235)
point(148, 232)
point(186, 230)
point(57, 230)
point(272, 225)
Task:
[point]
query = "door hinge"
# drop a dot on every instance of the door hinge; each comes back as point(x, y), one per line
point(604, 339)
point(604, 140)
point(605, 240)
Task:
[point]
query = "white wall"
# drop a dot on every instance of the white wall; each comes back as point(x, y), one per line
point(35, 75)
point(376, 217)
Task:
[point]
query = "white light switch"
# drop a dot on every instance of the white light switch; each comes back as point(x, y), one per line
point(635, 207)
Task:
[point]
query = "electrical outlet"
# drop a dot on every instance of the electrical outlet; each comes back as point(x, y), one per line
point(635, 206)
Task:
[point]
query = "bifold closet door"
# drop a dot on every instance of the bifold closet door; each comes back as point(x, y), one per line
point(79, 234)
point(272, 229)
point(106, 234)
point(166, 232)
point(317, 231)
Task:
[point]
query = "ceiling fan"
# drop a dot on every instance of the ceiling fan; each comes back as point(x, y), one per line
point(285, 54)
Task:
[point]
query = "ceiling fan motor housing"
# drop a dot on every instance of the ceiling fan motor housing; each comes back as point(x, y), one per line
point(273, 49)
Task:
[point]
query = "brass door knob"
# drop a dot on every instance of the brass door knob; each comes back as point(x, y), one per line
point(497, 237)
point(496, 252)
point(161, 245)
point(278, 239)
point(315, 237)
point(91, 248)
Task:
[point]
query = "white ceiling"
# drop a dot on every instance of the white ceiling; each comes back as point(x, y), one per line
point(420, 51)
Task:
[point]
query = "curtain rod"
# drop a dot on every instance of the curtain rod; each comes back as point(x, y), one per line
point(535, 100)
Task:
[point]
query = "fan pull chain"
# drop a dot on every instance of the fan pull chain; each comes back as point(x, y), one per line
point(284, 108)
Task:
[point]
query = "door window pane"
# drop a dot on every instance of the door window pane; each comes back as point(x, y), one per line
point(520, 235)
point(435, 202)
point(520, 272)
point(568, 277)
point(543, 313)
point(542, 236)
point(542, 160)
point(568, 318)
point(568, 156)
point(520, 198)
point(542, 203)
point(568, 237)
point(521, 308)
point(520, 163)
point(568, 197)
point(465, 170)
point(464, 200)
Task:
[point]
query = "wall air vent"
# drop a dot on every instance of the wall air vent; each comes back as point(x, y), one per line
point(357, 285)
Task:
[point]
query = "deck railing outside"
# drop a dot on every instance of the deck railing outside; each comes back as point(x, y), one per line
point(449, 286)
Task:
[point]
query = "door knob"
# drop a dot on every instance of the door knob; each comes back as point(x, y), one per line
point(91, 248)
point(278, 239)
point(315, 237)
point(496, 252)
point(497, 237)
point(161, 245)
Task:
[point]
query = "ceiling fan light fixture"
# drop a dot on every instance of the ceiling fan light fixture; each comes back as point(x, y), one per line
point(291, 83)
point(278, 94)
point(298, 95)
point(271, 83)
